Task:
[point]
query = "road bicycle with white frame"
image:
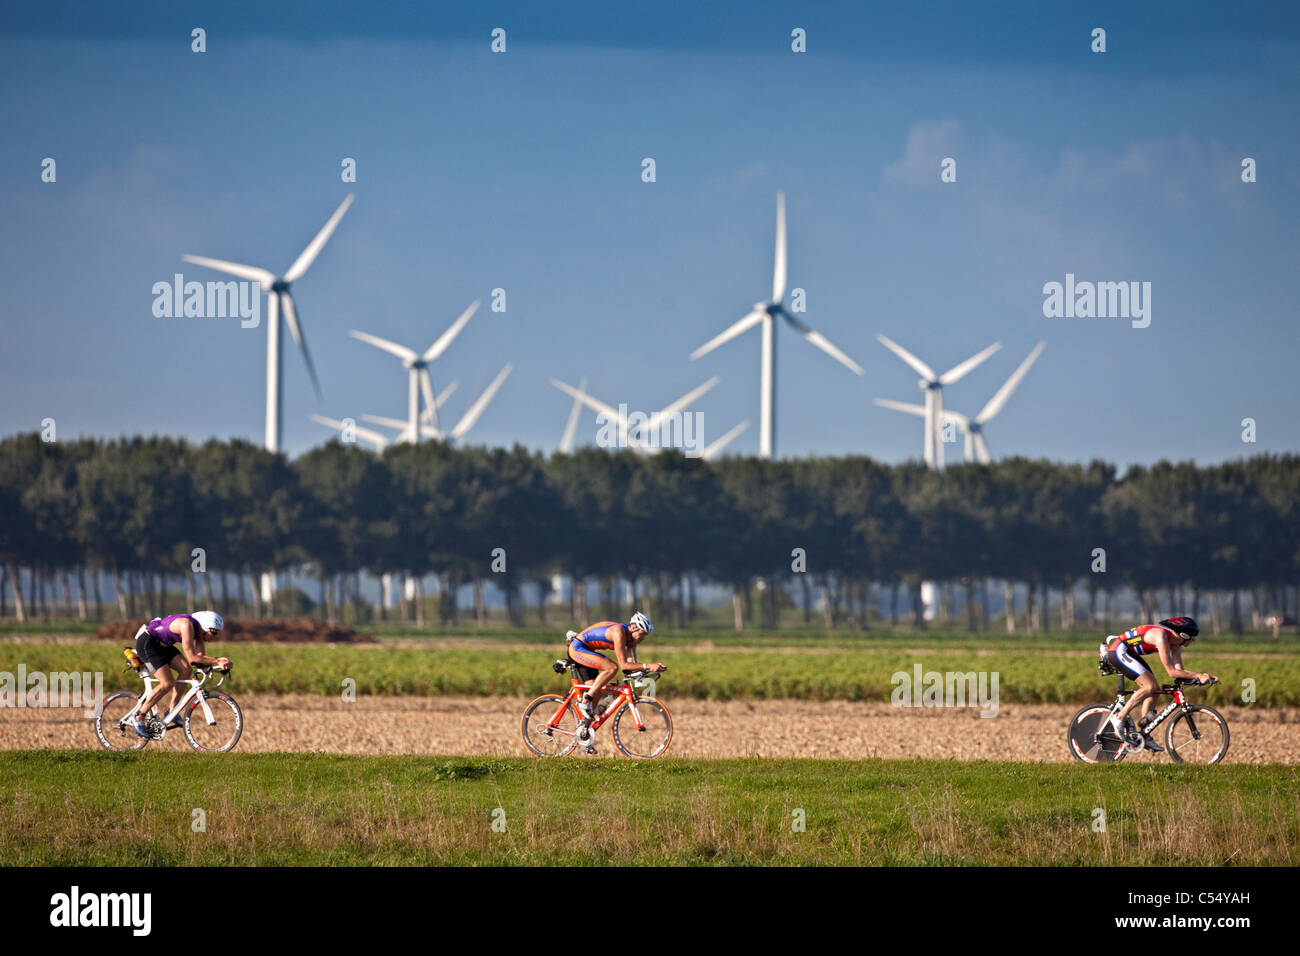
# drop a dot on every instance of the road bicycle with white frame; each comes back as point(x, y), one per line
point(212, 719)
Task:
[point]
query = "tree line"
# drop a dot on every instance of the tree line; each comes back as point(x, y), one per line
point(831, 538)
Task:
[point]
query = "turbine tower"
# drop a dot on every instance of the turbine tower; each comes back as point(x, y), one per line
point(417, 366)
point(932, 385)
point(766, 314)
point(279, 299)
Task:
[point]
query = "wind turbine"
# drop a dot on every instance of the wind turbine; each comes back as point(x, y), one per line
point(426, 417)
point(626, 428)
point(932, 385)
point(766, 313)
point(279, 298)
point(571, 427)
point(973, 428)
point(473, 413)
point(417, 366)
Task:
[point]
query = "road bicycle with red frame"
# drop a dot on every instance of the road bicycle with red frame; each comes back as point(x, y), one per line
point(640, 724)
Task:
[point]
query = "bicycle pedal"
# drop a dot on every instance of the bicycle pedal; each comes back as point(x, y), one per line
point(590, 750)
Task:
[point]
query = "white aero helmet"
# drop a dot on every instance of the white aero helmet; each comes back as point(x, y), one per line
point(641, 622)
point(208, 620)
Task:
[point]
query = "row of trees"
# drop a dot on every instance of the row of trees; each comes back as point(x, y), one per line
point(831, 534)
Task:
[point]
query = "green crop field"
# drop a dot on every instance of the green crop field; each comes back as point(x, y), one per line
point(89, 808)
point(804, 673)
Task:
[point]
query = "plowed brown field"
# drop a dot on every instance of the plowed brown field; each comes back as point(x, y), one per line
point(489, 726)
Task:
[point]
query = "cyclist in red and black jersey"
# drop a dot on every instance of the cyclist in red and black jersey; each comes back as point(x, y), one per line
point(1125, 652)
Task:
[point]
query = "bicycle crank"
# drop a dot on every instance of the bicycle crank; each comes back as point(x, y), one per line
point(157, 729)
point(585, 737)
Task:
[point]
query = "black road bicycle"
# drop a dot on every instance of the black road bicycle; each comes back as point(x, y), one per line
point(1196, 734)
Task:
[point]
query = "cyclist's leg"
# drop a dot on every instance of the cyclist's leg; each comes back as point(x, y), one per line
point(604, 666)
point(183, 672)
point(1137, 671)
point(157, 658)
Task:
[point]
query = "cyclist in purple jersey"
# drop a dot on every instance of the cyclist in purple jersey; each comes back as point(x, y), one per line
point(156, 644)
point(622, 639)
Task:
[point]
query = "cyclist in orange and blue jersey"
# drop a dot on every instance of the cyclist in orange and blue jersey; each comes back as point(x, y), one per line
point(622, 639)
point(1124, 652)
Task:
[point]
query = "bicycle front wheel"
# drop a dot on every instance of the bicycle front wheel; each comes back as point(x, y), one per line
point(221, 732)
point(1091, 737)
point(112, 728)
point(643, 729)
point(1199, 734)
point(549, 727)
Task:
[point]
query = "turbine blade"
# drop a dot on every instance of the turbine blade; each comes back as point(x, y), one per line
point(571, 427)
point(1000, 398)
point(401, 424)
point(957, 418)
point(743, 325)
point(593, 403)
point(918, 410)
point(429, 431)
point(481, 403)
point(958, 371)
point(816, 338)
point(291, 317)
point(380, 441)
point(669, 410)
point(721, 443)
point(778, 271)
point(401, 351)
point(921, 368)
point(316, 245)
point(444, 340)
point(982, 449)
point(267, 279)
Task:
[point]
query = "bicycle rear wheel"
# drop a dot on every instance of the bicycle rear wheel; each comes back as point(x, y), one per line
point(1198, 734)
point(112, 729)
point(549, 727)
point(1090, 737)
point(651, 738)
point(227, 723)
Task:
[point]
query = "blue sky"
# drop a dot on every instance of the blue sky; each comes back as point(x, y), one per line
point(522, 171)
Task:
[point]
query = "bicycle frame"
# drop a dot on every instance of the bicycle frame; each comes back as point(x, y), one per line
point(1123, 695)
point(195, 684)
point(624, 698)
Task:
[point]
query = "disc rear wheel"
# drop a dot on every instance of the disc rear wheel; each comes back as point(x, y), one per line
point(1092, 739)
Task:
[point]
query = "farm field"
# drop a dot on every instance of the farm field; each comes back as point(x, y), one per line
point(316, 809)
point(790, 672)
point(489, 727)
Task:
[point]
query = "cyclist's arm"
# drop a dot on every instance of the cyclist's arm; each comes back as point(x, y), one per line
point(624, 651)
point(191, 644)
point(1172, 658)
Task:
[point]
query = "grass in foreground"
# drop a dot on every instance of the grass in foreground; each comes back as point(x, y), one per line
point(82, 808)
point(714, 675)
